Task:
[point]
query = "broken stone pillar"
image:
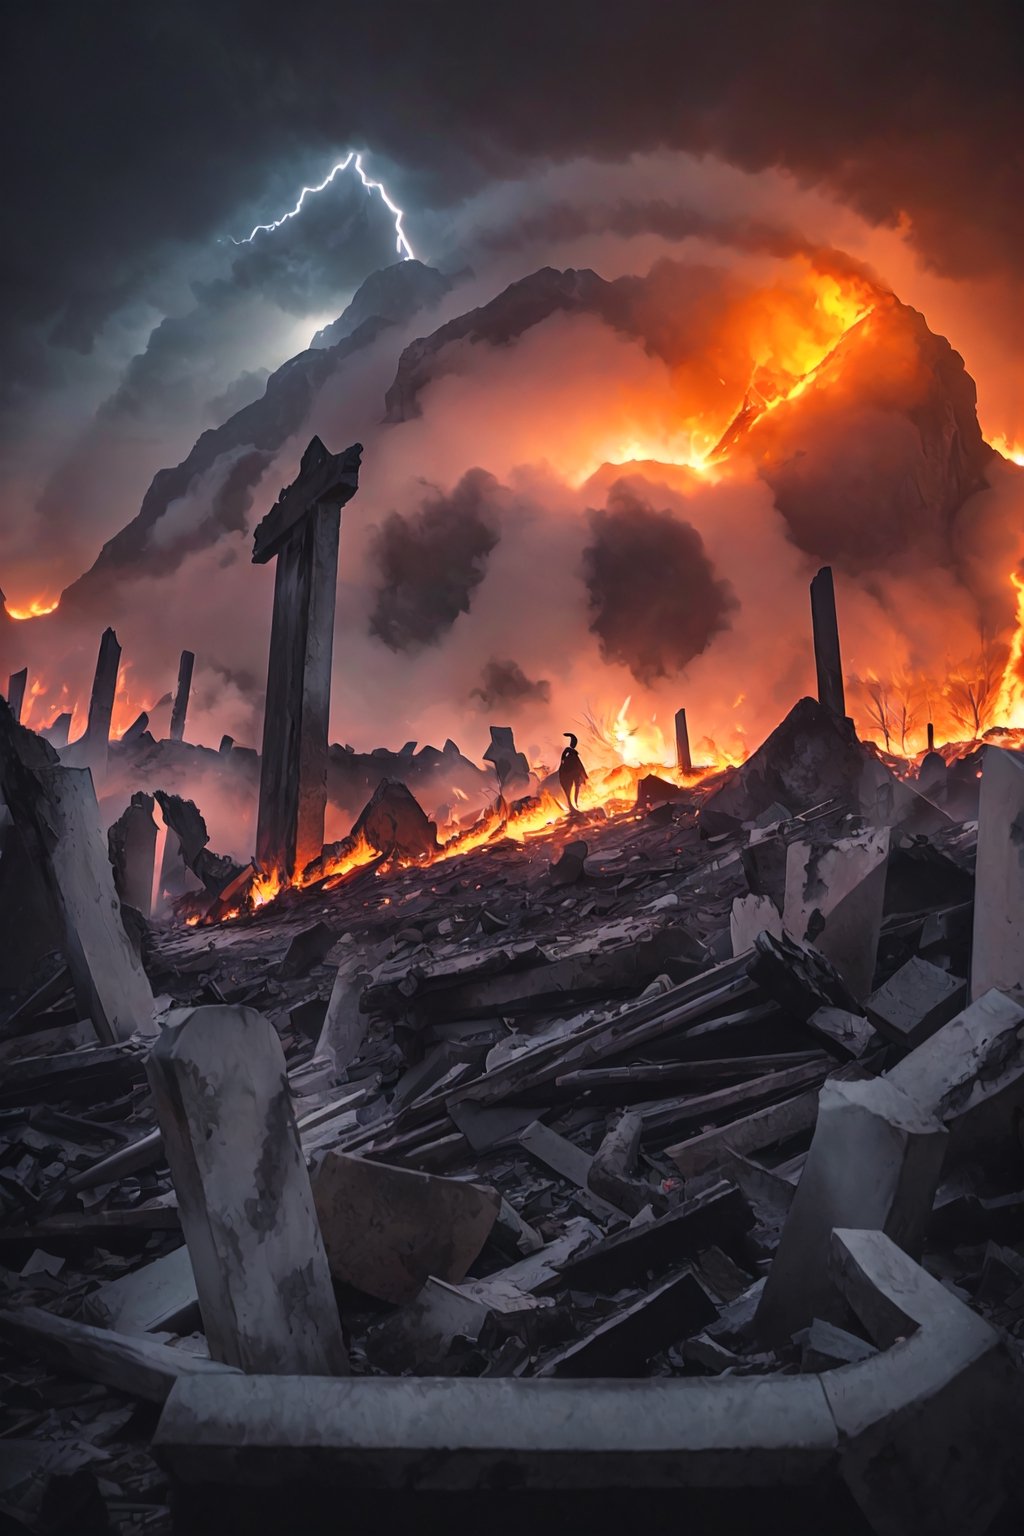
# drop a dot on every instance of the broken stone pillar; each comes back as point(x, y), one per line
point(827, 659)
point(970, 1075)
point(874, 1163)
point(57, 734)
point(511, 766)
point(90, 750)
point(221, 1091)
point(180, 709)
point(137, 728)
point(997, 956)
point(132, 845)
point(301, 532)
point(834, 900)
point(55, 811)
point(684, 761)
point(16, 691)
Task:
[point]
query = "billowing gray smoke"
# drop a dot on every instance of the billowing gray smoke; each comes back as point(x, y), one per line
point(505, 682)
point(429, 563)
point(654, 596)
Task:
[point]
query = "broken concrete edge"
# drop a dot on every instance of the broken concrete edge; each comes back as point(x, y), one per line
point(444, 1433)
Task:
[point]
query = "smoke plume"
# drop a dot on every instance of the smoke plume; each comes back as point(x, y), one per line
point(655, 598)
point(430, 563)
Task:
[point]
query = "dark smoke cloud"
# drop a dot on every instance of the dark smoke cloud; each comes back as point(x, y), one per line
point(654, 596)
point(896, 107)
point(505, 682)
point(428, 564)
point(562, 220)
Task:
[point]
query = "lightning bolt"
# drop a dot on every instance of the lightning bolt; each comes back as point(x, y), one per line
point(402, 245)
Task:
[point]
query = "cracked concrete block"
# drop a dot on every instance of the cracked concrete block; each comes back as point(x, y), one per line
point(970, 1075)
point(834, 900)
point(874, 1162)
point(926, 1425)
point(221, 1091)
point(916, 1001)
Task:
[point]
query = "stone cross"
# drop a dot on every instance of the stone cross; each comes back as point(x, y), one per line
point(301, 531)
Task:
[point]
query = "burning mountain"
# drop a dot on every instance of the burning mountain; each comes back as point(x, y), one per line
point(603, 489)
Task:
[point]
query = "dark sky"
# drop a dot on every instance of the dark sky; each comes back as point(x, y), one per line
point(142, 136)
point(131, 126)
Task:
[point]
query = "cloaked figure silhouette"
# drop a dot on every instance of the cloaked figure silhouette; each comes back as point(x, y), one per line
point(571, 773)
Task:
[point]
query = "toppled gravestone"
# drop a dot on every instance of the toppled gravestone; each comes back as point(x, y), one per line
point(834, 896)
point(386, 1230)
point(221, 1092)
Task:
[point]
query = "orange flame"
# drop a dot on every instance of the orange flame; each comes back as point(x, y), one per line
point(35, 609)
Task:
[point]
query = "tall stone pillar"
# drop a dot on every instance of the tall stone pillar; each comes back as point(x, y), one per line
point(301, 532)
point(997, 953)
point(180, 709)
point(90, 750)
point(684, 761)
point(827, 659)
point(16, 691)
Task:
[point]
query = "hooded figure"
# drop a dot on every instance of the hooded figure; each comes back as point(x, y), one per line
point(571, 773)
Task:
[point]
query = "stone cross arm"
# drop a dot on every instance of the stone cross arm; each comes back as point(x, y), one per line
point(324, 479)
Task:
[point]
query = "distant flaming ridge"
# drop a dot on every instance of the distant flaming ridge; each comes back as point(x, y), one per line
point(704, 433)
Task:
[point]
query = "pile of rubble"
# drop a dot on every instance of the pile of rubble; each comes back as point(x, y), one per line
point(399, 1184)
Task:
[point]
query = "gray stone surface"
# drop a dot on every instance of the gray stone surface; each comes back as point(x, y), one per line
point(875, 1162)
point(834, 896)
point(997, 955)
point(915, 1001)
point(221, 1092)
